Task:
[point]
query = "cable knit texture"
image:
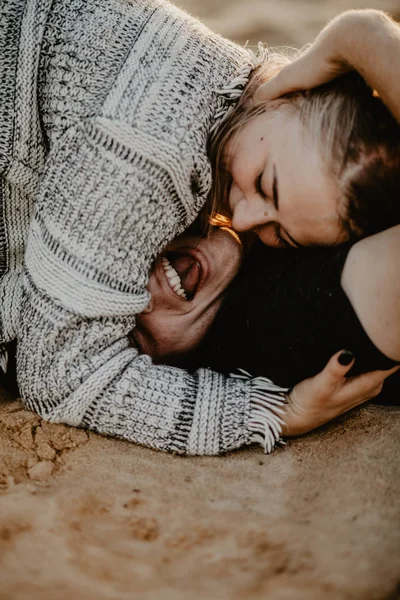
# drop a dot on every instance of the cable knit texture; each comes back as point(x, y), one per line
point(106, 108)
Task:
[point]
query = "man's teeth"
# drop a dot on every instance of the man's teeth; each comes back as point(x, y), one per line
point(173, 278)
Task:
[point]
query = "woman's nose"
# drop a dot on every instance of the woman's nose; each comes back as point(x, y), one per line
point(250, 214)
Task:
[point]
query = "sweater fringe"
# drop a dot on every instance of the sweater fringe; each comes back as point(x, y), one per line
point(267, 402)
point(231, 93)
point(3, 359)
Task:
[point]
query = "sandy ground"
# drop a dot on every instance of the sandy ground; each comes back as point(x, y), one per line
point(87, 517)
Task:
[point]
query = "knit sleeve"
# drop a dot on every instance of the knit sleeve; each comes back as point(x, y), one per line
point(105, 210)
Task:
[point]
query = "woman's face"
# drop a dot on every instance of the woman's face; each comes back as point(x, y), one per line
point(280, 187)
point(186, 283)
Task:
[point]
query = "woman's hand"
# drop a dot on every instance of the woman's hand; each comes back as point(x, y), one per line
point(320, 63)
point(367, 41)
point(317, 400)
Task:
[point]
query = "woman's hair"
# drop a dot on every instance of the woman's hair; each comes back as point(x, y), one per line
point(359, 140)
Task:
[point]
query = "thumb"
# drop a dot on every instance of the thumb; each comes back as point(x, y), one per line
point(337, 367)
point(270, 90)
point(290, 78)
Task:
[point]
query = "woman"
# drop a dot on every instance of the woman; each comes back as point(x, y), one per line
point(106, 112)
point(367, 42)
point(343, 146)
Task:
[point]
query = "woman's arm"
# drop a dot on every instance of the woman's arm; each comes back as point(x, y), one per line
point(367, 41)
point(371, 280)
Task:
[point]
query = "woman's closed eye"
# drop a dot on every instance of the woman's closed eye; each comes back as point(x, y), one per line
point(280, 242)
point(259, 188)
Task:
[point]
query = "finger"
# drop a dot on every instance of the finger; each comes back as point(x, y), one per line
point(374, 376)
point(338, 366)
point(270, 90)
point(332, 378)
point(389, 372)
point(367, 385)
point(295, 76)
point(282, 83)
point(357, 390)
point(375, 392)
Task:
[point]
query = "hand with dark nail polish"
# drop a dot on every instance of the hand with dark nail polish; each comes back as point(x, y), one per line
point(345, 358)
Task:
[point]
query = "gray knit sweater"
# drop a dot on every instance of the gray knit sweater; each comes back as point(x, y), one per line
point(106, 107)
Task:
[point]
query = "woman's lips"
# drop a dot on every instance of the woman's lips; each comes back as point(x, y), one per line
point(184, 270)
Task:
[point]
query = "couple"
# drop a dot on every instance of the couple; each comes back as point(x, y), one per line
point(268, 324)
point(119, 120)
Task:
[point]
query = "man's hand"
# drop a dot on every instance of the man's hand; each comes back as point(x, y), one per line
point(315, 401)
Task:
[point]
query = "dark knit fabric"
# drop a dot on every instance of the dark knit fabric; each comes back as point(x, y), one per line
point(286, 315)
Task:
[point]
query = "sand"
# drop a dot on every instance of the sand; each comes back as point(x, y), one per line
point(87, 517)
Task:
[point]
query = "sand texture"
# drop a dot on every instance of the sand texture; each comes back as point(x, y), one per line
point(91, 518)
point(87, 517)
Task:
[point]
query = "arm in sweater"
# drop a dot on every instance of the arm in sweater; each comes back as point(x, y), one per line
point(103, 213)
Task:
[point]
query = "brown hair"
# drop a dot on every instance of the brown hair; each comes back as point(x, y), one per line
point(359, 140)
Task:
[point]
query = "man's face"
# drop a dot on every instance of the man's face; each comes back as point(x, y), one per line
point(186, 283)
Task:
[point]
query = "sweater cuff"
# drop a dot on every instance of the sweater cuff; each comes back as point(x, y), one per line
point(220, 415)
point(235, 411)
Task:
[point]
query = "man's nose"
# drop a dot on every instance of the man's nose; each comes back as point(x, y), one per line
point(248, 214)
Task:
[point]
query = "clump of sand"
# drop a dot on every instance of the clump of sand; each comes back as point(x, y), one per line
point(32, 448)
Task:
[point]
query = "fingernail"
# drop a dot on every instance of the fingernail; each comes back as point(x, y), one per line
point(345, 358)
